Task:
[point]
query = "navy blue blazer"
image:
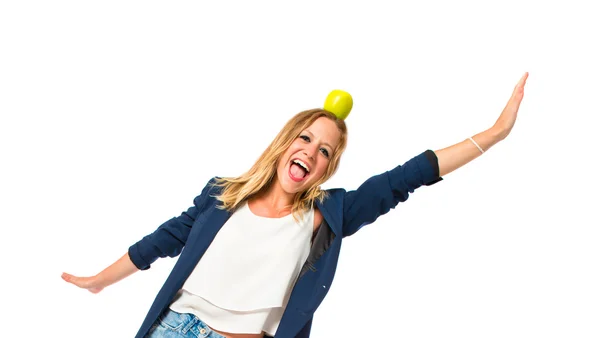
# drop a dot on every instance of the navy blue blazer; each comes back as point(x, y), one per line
point(344, 213)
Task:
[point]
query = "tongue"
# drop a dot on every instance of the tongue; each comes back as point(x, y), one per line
point(297, 171)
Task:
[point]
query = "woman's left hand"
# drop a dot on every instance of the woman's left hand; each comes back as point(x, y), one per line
point(507, 118)
point(455, 156)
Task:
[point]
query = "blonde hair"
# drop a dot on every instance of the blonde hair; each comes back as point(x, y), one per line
point(236, 190)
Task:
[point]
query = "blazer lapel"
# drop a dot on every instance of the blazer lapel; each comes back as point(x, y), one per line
point(324, 237)
point(208, 227)
point(332, 213)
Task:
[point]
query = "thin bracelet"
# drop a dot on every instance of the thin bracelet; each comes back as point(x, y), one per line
point(477, 145)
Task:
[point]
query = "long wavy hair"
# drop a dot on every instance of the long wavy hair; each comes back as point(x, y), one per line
point(236, 190)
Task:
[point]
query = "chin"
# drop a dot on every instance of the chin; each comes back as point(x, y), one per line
point(291, 188)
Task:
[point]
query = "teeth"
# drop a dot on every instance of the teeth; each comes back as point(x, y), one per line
point(302, 164)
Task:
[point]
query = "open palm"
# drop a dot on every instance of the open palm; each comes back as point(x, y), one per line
point(507, 118)
point(89, 283)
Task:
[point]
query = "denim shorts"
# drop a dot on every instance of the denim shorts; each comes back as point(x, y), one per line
point(173, 324)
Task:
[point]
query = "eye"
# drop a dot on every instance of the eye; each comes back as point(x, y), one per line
point(305, 138)
point(325, 152)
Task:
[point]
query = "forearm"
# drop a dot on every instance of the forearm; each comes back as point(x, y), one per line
point(117, 271)
point(457, 155)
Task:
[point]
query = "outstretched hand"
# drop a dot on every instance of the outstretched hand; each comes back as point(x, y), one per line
point(89, 283)
point(507, 118)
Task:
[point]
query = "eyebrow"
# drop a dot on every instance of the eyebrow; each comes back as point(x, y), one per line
point(325, 143)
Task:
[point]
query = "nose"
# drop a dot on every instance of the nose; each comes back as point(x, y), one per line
point(309, 155)
point(311, 152)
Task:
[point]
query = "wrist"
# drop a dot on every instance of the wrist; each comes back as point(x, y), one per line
point(497, 133)
point(100, 280)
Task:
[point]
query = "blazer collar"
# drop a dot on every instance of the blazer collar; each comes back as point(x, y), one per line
point(332, 212)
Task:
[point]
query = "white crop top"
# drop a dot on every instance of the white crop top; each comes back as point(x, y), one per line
point(243, 282)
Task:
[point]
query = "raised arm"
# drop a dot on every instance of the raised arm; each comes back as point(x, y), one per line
point(455, 156)
point(381, 193)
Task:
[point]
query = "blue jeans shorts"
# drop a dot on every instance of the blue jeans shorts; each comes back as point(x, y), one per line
point(173, 324)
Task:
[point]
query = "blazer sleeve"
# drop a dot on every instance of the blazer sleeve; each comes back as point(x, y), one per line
point(169, 238)
point(380, 193)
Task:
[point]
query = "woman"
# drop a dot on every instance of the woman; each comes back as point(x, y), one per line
point(270, 239)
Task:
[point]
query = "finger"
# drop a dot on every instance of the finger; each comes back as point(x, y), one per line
point(522, 81)
point(519, 90)
point(78, 281)
point(67, 277)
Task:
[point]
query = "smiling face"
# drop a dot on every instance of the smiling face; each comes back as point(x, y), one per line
point(308, 157)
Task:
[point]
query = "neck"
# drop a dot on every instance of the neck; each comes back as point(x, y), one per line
point(276, 198)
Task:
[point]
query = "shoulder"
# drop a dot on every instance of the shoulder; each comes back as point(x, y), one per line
point(214, 185)
point(333, 198)
point(210, 192)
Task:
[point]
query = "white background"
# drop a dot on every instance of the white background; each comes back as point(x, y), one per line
point(114, 115)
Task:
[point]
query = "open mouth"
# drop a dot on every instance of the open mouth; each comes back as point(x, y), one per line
point(298, 170)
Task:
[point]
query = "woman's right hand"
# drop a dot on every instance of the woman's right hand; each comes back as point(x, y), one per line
point(92, 284)
point(112, 274)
